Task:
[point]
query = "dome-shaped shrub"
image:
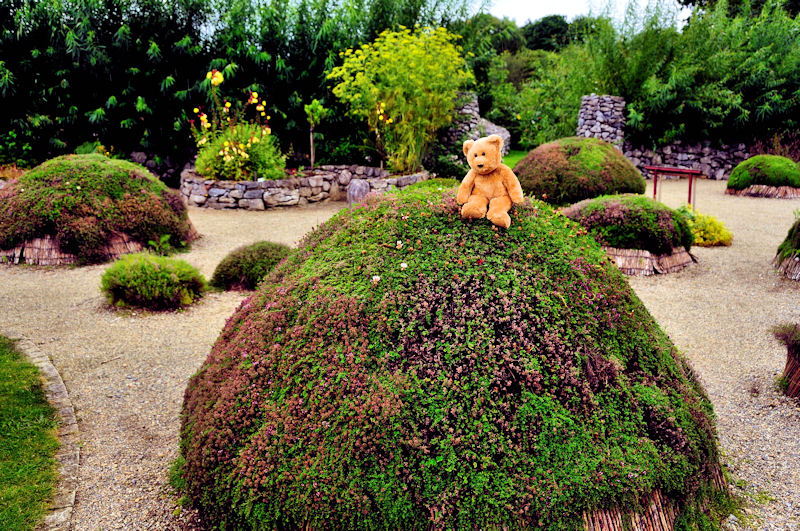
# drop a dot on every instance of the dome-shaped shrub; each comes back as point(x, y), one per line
point(571, 169)
point(405, 369)
point(707, 231)
point(767, 170)
point(246, 266)
point(633, 222)
point(788, 258)
point(154, 282)
point(85, 201)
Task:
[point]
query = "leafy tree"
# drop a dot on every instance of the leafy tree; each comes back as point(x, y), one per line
point(735, 7)
point(404, 86)
point(548, 33)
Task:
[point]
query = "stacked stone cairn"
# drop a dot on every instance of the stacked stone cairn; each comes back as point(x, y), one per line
point(468, 125)
point(319, 184)
point(602, 117)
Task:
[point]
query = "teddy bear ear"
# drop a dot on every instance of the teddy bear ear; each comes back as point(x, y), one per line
point(467, 145)
point(495, 139)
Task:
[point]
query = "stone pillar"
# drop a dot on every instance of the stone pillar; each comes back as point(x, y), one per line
point(602, 117)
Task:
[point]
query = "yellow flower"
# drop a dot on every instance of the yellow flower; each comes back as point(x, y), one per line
point(263, 113)
point(215, 77)
point(195, 110)
point(209, 74)
point(227, 105)
point(263, 102)
point(259, 107)
point(206, 125)
point(269, 117)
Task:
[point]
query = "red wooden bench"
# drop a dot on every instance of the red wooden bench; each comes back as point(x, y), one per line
point(659, 170)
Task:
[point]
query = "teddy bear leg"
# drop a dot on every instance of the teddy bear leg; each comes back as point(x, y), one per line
point(475, 207)
point(498, 211)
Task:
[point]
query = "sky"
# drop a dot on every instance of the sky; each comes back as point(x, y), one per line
point(523, 11)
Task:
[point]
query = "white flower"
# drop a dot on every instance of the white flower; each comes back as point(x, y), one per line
point(399, 244)
point(77, 187)
point(376, 279)
point(403, 265)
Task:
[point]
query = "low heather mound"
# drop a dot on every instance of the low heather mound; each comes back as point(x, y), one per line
point(571, 169)
point(246, 266)
point(751, 176)
point(787, 260)
point(633, 222)
point(405, 369)
point(85, 201)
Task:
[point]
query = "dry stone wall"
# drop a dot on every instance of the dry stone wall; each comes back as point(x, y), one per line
point(319, 184)
point(468, 125)
point(604, 117)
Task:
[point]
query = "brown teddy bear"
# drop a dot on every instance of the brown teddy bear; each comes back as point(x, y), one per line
point(489, 183)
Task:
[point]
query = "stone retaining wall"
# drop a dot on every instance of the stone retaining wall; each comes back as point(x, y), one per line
point(468, 125)
point(319, 184)
point(713, 162)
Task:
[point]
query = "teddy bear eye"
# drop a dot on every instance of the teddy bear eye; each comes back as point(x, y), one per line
point(483, 154)
point(476, 155)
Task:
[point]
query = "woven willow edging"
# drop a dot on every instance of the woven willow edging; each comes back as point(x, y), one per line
point(762, 190)
point(638, 262)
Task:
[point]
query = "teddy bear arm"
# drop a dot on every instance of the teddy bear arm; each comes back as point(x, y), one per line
point(465, 189)
point(512, 185)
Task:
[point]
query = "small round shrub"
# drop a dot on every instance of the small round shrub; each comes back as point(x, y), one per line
point(244, 152)
point(707, 230)
point(769, 170)
point(572, 169)
point(405, 369)
point(790, 246)
point(85, 200)
point(632, 222)
point(153, 282)
point(246, 266)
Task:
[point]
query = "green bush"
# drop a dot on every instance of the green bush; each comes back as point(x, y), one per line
point(790, 246)
point(707, 230)
point(153, 282)
point(770, 170)
point(242, 152)
point(84, 200)
point(405, 369)
point(571, 169)
point(633, 222)
point(404, 86)
point(246, 266)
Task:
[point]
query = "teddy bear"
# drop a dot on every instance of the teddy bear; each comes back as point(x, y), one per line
point(489, 184)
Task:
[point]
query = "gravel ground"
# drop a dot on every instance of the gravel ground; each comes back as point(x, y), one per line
point(126, 372)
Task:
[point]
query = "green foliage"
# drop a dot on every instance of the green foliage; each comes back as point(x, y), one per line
point(707, 230)
point(790, 246)
point(545, 106)
point(84, 200)
point(315, 113)
point(246, 267)
point(571, 169)
point(770, 170)
point(633, 222)
point(403, 85)
point(548, 33)
point(242, 152)
point(153, 282)
point(406, 369)
point(28, 470)
point(124, 71)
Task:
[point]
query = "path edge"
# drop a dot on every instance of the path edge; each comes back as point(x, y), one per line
point(68, 455)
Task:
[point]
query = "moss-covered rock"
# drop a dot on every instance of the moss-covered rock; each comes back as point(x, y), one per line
point(791, 244)
point(768, 170)
point(245, 267)
point(633, 222)
point(84, 200)
point(571, 169)
point(406, 369)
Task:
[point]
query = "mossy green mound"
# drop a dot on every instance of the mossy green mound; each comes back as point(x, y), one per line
point(406, 369)
point(791, 245)
point(153, 282)
point(633, 222)
point(245, 267)
point(84, 200)
point(769, 170)
point(572, 169)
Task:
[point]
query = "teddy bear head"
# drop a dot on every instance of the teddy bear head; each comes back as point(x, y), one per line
point(484, 155)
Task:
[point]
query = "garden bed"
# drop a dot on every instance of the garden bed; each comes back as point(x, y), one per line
point(319, 184)
point(643, 263)
point(763, 190)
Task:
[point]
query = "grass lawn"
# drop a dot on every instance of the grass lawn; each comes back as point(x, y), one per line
point(27, 442)
point(514, 156)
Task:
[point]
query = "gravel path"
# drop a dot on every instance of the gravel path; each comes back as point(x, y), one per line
point(126, 373)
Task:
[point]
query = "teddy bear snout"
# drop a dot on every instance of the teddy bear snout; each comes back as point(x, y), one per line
point(480, 165)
